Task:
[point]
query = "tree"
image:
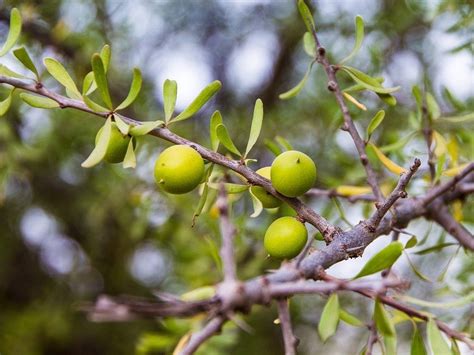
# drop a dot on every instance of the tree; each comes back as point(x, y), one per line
point(225, 191)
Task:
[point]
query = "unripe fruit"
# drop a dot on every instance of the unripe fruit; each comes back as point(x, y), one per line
point(117, 146)
point(179, 169)
point(293, 173)
point(285, 238)
point(266, 198)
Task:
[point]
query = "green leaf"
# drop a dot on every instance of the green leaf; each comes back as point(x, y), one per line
point(416, 271)
point(105, 55)
point(433, 107)
point(388, 99)
point(135, 88)
point(122, 125)
point(454, 347)
point(5, 104)
point(411, 242)
point(383, 321)
point(468, 117)
point(22, 55)
point(229, 187)
point(13, 33)
point(434, 248)
point(417, 344)
point(306, 16)
point(130, 161)
point(100, 149)
point(101, 79)
point(375, 122)
point(367, 81)
point(309, 44)
point(283, 143)
point(203, 97)
point(295, 91)
point(273, 147)
point(435, 339)
point(350, 318)
point(59, 73)
point(460, 302)
point(94, 105)
point(382, 260)
point(145, 128)
point(257, 205)
point(170, 92)
point(88, 84)
point(359, 37)
point(199, 294)
point(225, 139)
point(454, 101)
point(7, 72)
point(400, 143)
point(38, 101)
point(203, 198)
point(329, 318)
point(390, 342)
point(216, 119)
point(256, 126)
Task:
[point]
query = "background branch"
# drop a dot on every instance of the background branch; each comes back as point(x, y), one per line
point(289, 338)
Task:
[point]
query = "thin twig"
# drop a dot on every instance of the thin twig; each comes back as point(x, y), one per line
point(195, 341)
point(289, 338)
point(227, 233)
point(372, 340)
point(314, 192)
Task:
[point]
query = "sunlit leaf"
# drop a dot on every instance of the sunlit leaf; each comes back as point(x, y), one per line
point(375, 122)
point(204, 96)
point(294, 91)
point(389, 164)
point(354, 101)
point(453, 149)
point(170, 92)
point(382, 260)
point(456, 170)
point(122, 125)
point(417, 344)
point(256, 126)
point(257, 205)
point(130, 161)
point(216, 120)
point(59, 73)
point(101, 79)
point(38, 101)
point(273, 147)
point(437, 343)
point(105, 55)
point(440, 165)
point(5, 104)
point(229, 187)
point(306, 16)
point(13, 33)
point(347, 190)
point(225, 139)
point(329, 318)
point(433, 107)
point(382, 320)
point(22, 55)
point(283, 143)
point(441, 144)
point(199, 294)
point(8, 72)
point(145, 127)
point(388, 99)
point(94, 105)
point(135, 88)
point(367, 81)
point(88, 84)
point(359, 37)
point(350, 318)
point(309, 44)
point(390, 343)
point(100, 149)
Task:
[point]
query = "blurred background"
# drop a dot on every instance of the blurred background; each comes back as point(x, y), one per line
point(69, 234)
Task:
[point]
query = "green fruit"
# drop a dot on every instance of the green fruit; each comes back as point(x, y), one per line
point(117, 146)
point(179, 169)
point(266, 198)
point(285, 238)
point(293, 173)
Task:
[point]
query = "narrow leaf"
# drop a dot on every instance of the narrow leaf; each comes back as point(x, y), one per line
point(388, 99)
point(411, 242)
point(416, 271)
point(435, 339)
point(295, 91)
point(435, 248)
point(400, 143)
point(229, 187)
point(382, 260)
point(417, 344)
point(390, 165)
point(441, 144)
point(367, 81)
point(130, 161)
point(13, 33)
point(38, 101)
point(390, 342)
point(59, 73)
point(306, 16)
point(101, 147)
point(468, 117)
point(122, 126)
point(22, 55)
point(359, 37)
point(283, 143)
point(203, 198)
point(225, 139)
point(101, 79)
point(170, 92)
point(273, 147)
point(347, 190)
point(94, 105)
point(375, 122)
point(460, 302)
point(145, 128)
point(203, 97)
point(88, 84)
point(329, 318)
point(456, 170)
point(382, 320)
point(5, 104)
point(350, 318)
point(8, 72)
point(354, 101)
point(256, 125)
point(105, 55)
point(216, 119)
point(135, 88)
point(433, 107)
point(454, 347)
point(309, 44)
point(257, 205)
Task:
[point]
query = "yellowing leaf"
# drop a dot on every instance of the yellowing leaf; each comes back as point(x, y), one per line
point(456, 170)
point(389, 164)
point(347, 190)
point(453, 149)
point(457, 210)
point(441, 144)
point(354, 101)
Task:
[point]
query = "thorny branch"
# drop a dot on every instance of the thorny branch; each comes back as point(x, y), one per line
point(289, 339)
point(212, 327)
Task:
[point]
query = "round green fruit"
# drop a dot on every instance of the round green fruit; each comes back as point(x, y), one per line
point(266, 198)
point(293, 173)
point(179, 169)
point(285, 238)
point(117, 146)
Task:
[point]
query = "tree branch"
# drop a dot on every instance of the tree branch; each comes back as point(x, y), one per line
point(289, 338)
point(212, 327)
point(227, 234)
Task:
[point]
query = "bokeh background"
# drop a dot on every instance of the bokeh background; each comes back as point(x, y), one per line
point(69, 234)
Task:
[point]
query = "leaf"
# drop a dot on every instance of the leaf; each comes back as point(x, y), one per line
point(283, 143)
point(14, 31)
point(256, 126)
point(306, 16)
point(411, 242)
point(216, 119)
point(390, 342)
point(417, 344)
point(59, 73)
point(433, 107)
point(329, 318)
point(122, 126)
point(347, 190)
point(415, 90)
point(7, 72)
point(309, 44)
point(383, 321)
point(203, 97)
point(435, 248)
point(456, 170)
point(225, 139)
point(170, 92)
point(135, 88)
point(435, 339)
point(5, 104)
point(295, 91)
point(145, 128)
point(88, 84)
point(367, 81)
point(130, 161)
point(354, 101)
point(468, 117)
point(453, 149)
point(400, 143)
point(440, 163)
point(94, 105)
point(460, 302)
point(203, 198)
point(199, 294)
point(454, 101)
point(38, 101)
point(273, 147)
point(100, 149)
point(375, 122)
point(350, 318)
point(388, 99)
point(441, 144)
point(359, 37)
point(101, 79)
point(416, 271)
point(454, 347)
point(390, 165)
point(22, 55)
point(257, 205)
point(382, 260)
point(105, 55)
point(229, 187)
